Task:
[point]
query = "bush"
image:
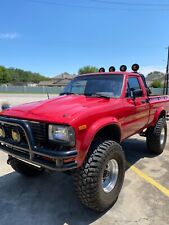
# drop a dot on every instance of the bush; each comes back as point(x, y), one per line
point(156, 84)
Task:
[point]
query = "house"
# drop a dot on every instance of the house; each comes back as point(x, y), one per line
point(22, 84)
point(57, 81)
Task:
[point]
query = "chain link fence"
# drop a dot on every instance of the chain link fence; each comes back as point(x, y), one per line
point(25, 89)
point(50, 90)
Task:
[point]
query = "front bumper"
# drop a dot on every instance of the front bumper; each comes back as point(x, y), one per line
point(61, 159)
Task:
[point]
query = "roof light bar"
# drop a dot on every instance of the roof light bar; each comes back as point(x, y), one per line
point(135, 67)
point(112, 69)
point(123, 68)
point(102, 70)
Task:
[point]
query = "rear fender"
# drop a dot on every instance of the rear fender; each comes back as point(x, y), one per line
point(157, 115)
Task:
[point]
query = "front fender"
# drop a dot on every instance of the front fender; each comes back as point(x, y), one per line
point(86, 138)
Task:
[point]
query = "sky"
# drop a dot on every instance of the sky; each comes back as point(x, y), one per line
point(55, 36)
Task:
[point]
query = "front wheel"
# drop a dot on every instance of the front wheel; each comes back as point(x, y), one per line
point(99, 181)
point(157, 136)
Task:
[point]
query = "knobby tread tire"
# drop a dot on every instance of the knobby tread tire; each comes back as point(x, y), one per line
point(88, 178)
point(153, 136)
point(24, 168)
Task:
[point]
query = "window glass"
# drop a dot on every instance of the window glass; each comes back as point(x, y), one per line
point(78, 86)
point(132, 85)
point(110, 85)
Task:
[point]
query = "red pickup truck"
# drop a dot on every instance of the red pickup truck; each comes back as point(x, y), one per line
point(80, 132)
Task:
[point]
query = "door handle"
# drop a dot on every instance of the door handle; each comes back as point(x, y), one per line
point(145, 101)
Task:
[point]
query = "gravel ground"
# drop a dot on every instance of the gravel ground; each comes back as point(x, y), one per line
point(16, 99)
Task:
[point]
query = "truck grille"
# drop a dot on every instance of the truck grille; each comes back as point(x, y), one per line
point(39, 131)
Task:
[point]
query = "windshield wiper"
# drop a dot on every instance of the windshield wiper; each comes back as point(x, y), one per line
point(97, 94)
point(67, 93)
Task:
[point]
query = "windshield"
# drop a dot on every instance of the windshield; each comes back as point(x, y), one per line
point(100, 85)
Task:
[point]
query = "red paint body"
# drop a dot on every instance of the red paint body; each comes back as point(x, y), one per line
point(131, 116)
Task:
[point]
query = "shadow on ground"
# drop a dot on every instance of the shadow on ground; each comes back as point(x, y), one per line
point(45, 200)
point(50, 198)
point(135, 150)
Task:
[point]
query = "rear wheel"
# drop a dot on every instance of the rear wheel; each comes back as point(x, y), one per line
point(99, 181)
point(157, 136)
point(25, 168)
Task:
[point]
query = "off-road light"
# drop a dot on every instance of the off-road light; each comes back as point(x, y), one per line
point(123, 68)
point(2, 132)
point(112, 69)
point(102, 70)
point(135, 67)
point(16, 135)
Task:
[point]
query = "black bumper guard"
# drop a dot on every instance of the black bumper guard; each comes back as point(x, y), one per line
point(36, 155)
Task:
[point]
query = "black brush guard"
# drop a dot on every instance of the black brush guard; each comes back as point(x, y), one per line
point(57, 160)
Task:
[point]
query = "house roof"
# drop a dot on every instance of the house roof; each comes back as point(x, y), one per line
point(60, 80)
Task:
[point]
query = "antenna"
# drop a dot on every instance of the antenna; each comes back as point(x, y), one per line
point(166, 81)
point(47, 92)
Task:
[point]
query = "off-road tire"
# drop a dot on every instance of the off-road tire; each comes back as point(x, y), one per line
point(88, 179)
point(154, 135)
point(24, 168)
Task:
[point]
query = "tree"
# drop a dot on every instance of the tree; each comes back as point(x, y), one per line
point(156, 84)
point(88, 69)
point(5, 76)
point(15, 75)
point(155, 75)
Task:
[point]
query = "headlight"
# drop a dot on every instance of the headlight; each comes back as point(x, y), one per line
point(63, 134)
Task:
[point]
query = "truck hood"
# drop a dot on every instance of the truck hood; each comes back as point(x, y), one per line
point(59, 110)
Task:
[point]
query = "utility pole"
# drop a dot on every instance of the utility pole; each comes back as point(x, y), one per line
point(166, 81)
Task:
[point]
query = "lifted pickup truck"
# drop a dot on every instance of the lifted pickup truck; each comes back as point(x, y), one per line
point(80, 132)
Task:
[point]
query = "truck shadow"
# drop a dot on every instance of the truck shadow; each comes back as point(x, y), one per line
point(50, 198)
point(136, 149)
point(45, 200)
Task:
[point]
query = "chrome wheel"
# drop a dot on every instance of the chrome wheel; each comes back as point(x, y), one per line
point(110, 176)
point(162, 136)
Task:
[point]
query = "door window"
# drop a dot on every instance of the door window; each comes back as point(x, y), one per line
point(133, 84)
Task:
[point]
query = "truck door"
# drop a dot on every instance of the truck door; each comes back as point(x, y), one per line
point(139, 115)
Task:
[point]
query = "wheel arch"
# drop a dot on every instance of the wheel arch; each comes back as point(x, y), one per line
point(109, 132)
point(161, 112)
point(107, 128)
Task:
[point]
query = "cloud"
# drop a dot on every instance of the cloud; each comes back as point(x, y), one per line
point(9, 36)
point(148, 69)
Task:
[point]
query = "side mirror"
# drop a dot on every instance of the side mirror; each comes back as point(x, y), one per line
point(136, 93)
point(149, 92)
point(5, 106)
